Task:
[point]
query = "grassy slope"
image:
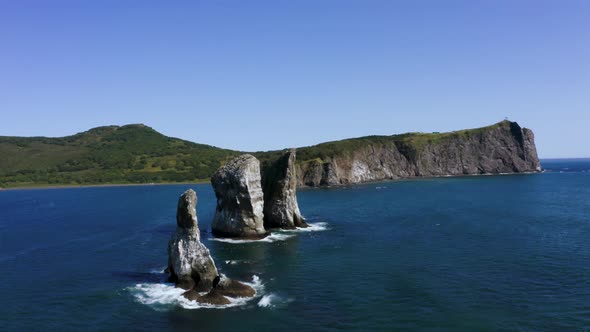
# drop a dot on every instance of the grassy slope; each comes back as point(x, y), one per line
point(127, 154)
point(139, 154)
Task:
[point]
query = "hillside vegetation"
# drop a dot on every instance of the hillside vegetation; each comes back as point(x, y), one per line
point(106, 155)
point(410, 141)
point(139, 154)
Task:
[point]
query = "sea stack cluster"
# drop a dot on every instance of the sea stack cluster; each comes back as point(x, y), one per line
point(190, 264)
point(249, 202)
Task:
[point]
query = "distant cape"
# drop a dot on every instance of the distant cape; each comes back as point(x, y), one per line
point(501, 148)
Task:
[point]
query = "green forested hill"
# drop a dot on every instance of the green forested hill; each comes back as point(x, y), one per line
point(138, 154)
point(113, 154)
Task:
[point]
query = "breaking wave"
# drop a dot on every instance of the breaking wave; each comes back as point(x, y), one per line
point(273, 300)
point(273, 237)
point(158, 270)
point(236, 261)
point(266, 300)
point(164, 296)
point(278, 235)
point(313, 227)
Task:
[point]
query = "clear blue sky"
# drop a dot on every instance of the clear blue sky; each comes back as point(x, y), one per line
point(257, 75)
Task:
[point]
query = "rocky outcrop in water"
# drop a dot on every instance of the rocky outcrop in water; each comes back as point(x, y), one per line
point(213, 297)
point(233, 288)
point(240, 203)
point(190, 264)
point(279, 183)
point(501, 148)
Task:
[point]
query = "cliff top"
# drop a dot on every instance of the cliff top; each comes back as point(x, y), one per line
point(413, 140)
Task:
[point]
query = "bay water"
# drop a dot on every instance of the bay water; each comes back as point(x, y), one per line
point(485, 253)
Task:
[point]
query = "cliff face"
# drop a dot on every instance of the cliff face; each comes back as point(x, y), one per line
point(139, 154)
point(501, 148)
point(240, 200)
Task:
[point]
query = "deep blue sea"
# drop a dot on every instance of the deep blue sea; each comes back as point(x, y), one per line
point(488, 253)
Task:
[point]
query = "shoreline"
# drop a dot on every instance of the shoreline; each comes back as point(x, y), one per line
point(413, 178)
point(112, 185)
point(106, 185)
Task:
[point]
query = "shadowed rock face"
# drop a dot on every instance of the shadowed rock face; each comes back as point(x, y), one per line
point(189, 262)
point(233, 288)
point(186, 211)
point(279, 181)
point(213, 297)
point(240, 202)
point(503, 148)
point(223, 288)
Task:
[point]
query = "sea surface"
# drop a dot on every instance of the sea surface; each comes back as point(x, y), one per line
point(487, 253)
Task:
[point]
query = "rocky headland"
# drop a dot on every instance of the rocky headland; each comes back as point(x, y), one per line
point(504, 147)
point(135, 154)
point(190, 264)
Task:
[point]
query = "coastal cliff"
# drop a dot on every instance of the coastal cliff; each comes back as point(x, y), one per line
point(139, 154)
point(504, 147)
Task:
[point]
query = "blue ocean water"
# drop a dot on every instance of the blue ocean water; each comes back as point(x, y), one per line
point(489, 253)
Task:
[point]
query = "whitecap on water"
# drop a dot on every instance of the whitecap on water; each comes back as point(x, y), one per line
point(313, 227)
point(266, 300)
point(279, 235)
point(273, 300)
point(274, 237)
point(158, 270)
point(236, 261)
point(164, 296)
